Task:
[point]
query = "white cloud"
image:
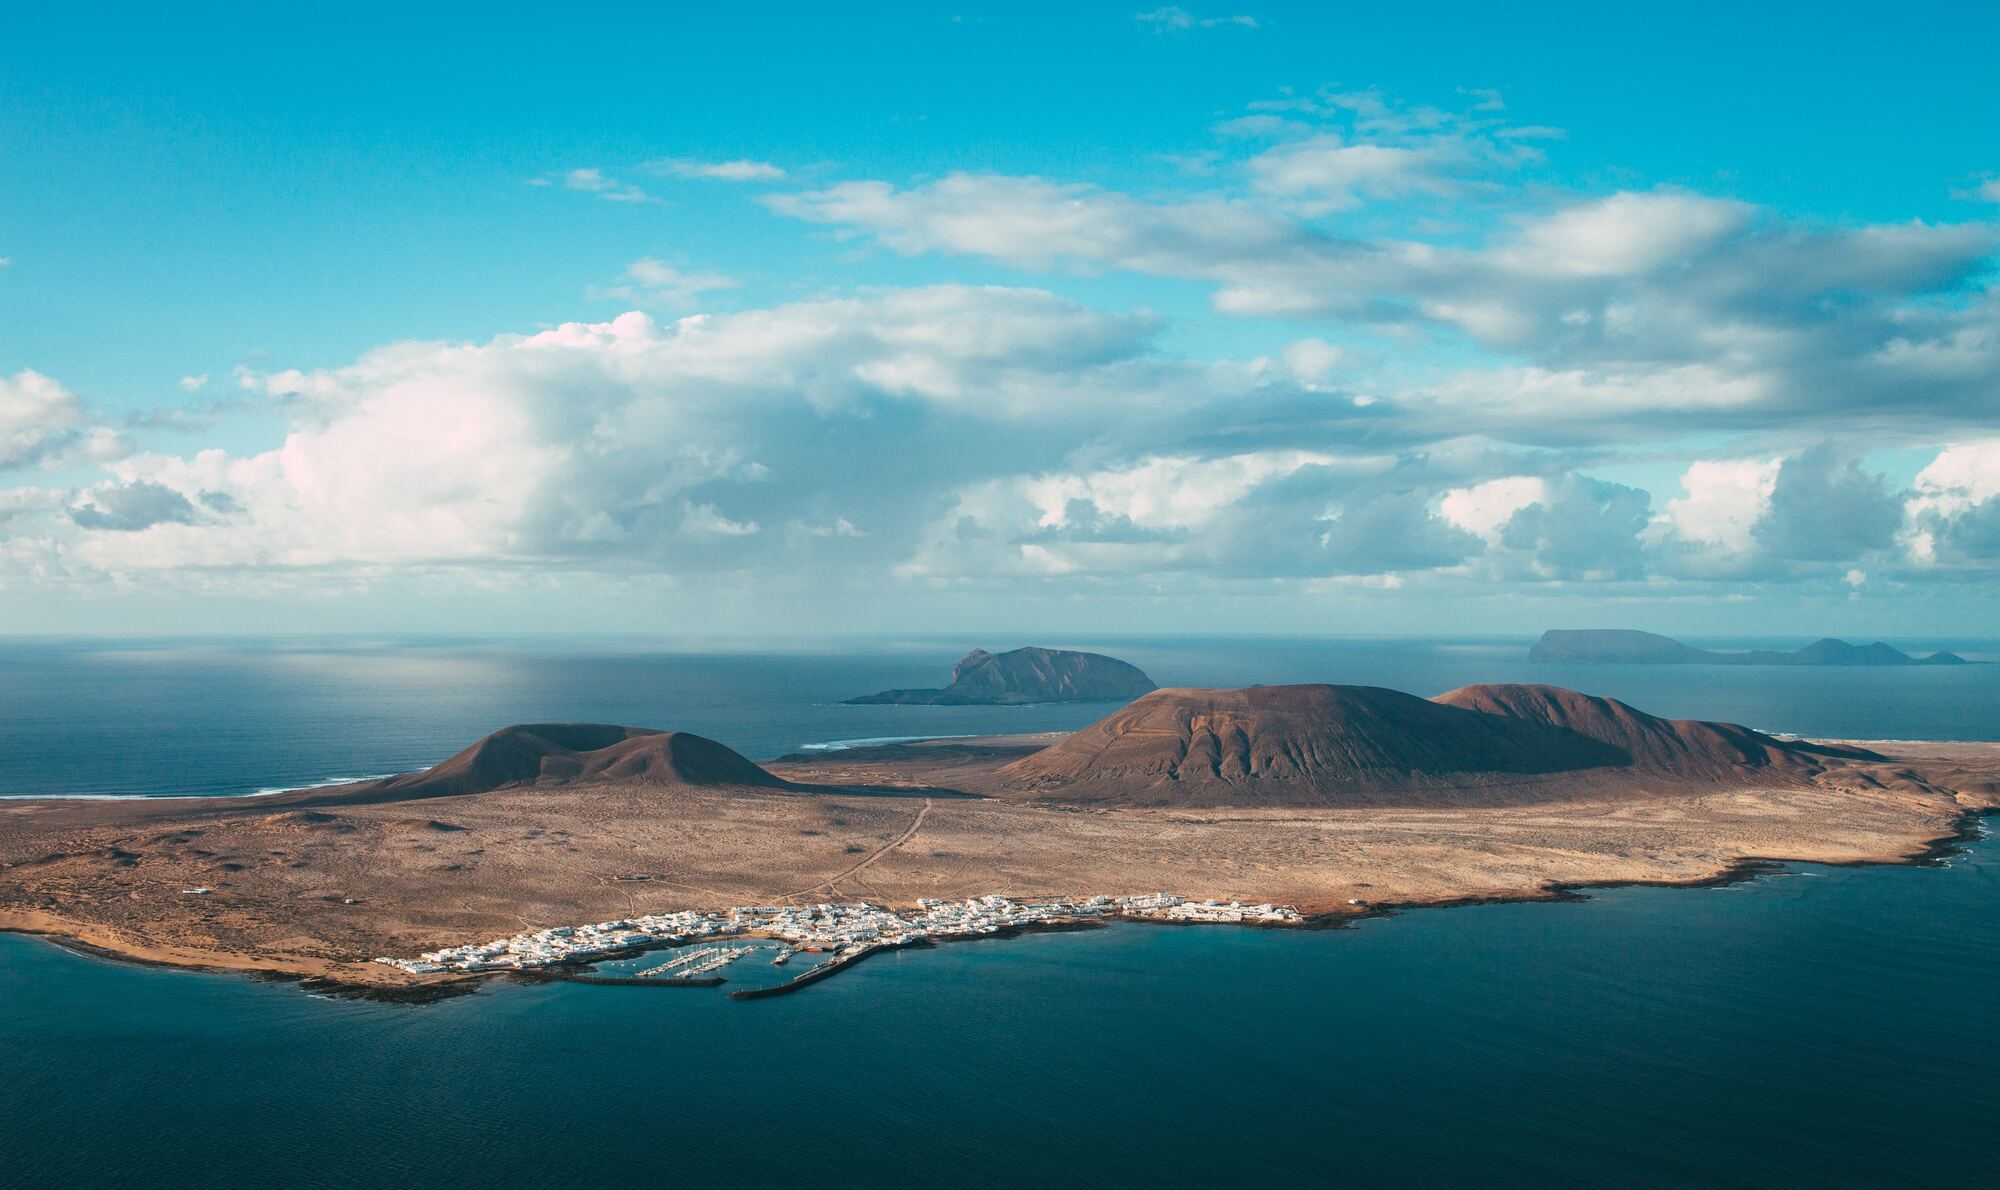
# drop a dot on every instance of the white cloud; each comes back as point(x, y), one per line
point(1166, 492)
point(1486, 508)
point(716, 171)
point(1724, 501)
point(41, 422)
point(1258, 515)
point(702, 521)
point(1617, 403)
point(1623, 235)
point(1953, 510)
point(595, 181)
point(1638, 304)
point(628, 443)
point(1326, 173)
point(36, 414)
point(1042, 224)
point(1175, 19)
point(190, 384)
point(1961, 476)
point(1311, 360)
point(20, 502)
point(656, 284)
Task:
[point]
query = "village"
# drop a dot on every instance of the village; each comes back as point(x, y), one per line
point(843, 930)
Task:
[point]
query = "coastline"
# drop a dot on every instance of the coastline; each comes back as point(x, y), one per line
point(1744, 869)
point(371, 980)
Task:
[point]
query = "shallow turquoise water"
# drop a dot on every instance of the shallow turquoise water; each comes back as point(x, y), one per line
point(1827, 1027)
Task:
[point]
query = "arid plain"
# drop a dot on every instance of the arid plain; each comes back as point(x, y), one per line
point(319, 882)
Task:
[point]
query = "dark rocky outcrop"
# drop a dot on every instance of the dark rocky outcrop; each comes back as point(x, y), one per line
point(1026, 676)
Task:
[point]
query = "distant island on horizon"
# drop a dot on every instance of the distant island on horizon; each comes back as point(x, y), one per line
point(1629, 646)
point(1028, 675)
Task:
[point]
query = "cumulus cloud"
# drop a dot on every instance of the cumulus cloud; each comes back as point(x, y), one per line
point(43, 422)
point(1954, 509)
point(1712, 526)
point(36, 416)
point(16, 503)
point(130, 507)
point(1563, 527)
point(632, 443)
point(1810, 514)
point(1264, 514)
point(1579, 528)
point(1825, 508)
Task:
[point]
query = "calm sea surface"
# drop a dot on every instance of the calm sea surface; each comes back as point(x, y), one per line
point(1822, 1027)
point(156, 719)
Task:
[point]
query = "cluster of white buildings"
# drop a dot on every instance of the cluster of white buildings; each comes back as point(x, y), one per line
point(842, 929)
point(566, 944)
point(1164, 907)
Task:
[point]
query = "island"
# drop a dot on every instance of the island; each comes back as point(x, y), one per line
point(543, 850)
point(1028, 675)
point(1627, 646)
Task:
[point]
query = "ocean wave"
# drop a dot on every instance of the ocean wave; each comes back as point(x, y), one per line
point(876, 740)
point(172, 797)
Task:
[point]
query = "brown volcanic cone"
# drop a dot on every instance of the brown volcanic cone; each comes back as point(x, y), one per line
point(1296, 745)
point(1681, 747)
point(539, 754)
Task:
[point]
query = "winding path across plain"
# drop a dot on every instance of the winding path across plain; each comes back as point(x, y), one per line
point(909, 833)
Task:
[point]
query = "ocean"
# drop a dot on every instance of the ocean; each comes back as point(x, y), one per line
point(166, 718)
point(1820, 1026)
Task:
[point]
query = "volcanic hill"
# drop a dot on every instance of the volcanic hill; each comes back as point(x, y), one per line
point(1363, 745)
point(1680, 747)
point(1292, 745)
point(556, 754)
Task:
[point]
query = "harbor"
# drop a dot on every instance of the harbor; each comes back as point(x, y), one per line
point(843, 932)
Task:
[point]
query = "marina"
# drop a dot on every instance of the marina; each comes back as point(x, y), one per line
point(698, 963)
point(845, 931)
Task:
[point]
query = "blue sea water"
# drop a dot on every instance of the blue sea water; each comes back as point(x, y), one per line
point(1822, 1027)
point(213, 718)
point(1830, 1027)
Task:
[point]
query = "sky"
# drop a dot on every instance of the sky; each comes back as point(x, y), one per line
point(1045, 319)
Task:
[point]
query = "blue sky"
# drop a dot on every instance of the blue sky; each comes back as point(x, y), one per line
point(1260, 317)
